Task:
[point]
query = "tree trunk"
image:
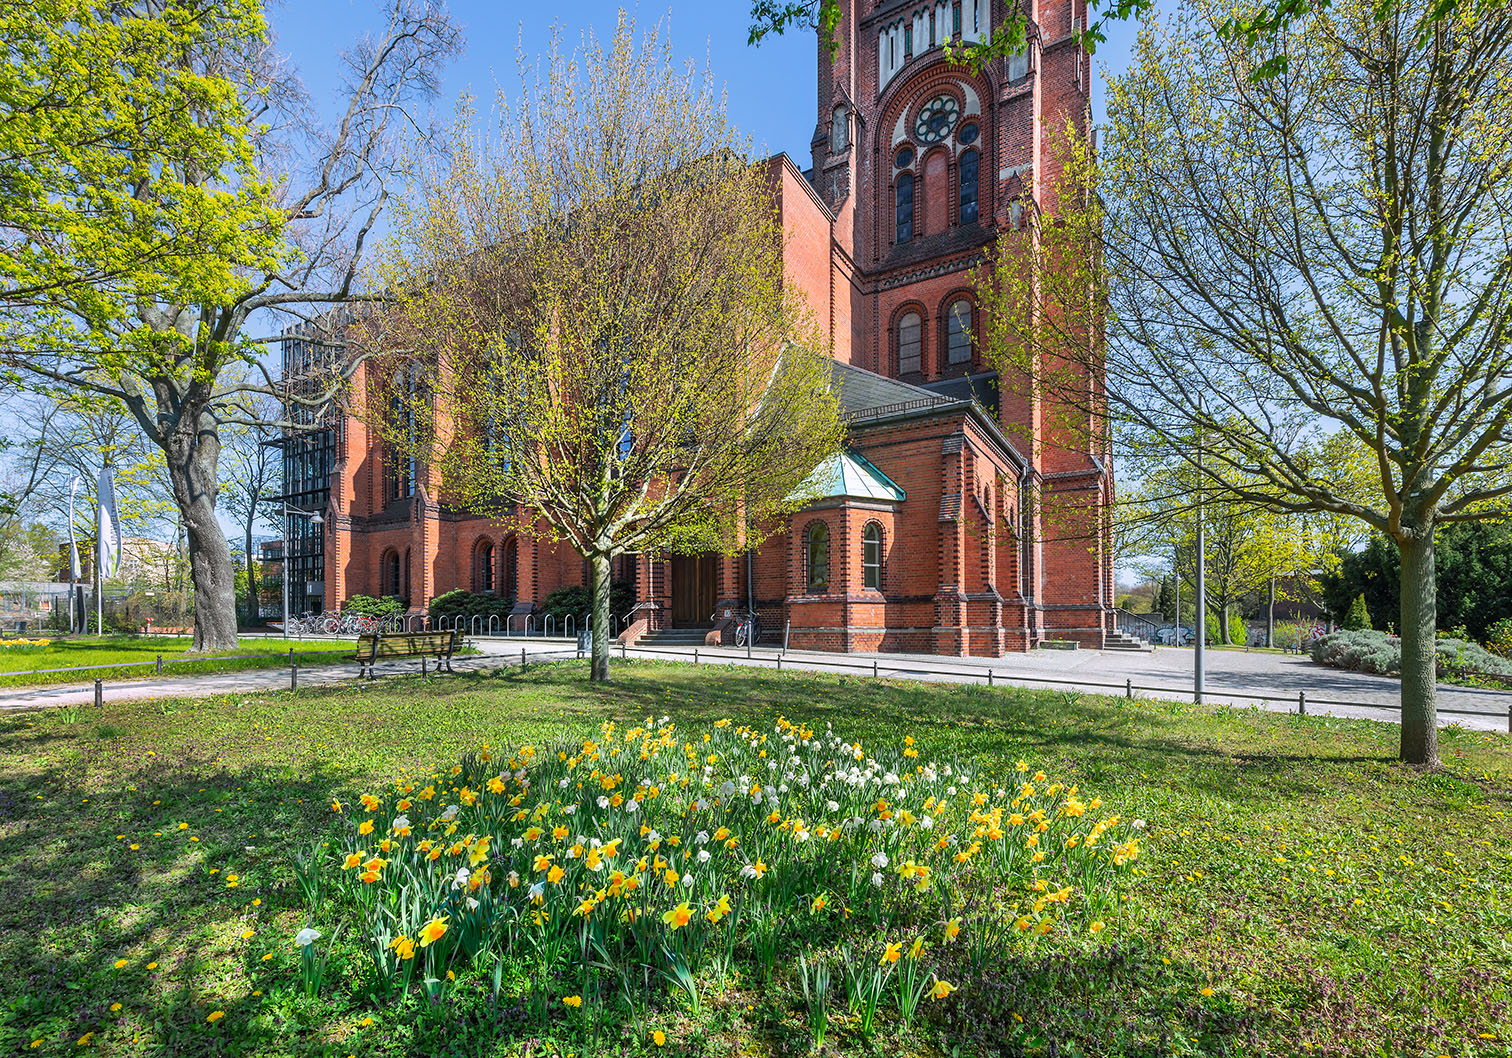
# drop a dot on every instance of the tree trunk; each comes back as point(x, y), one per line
point(1419, 636)
point(192, 456)
point(599, 669)
point(1223, 626)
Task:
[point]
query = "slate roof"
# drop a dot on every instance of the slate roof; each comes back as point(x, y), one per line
point(864, 392)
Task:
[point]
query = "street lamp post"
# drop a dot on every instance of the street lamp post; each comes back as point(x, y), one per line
point(288, 547)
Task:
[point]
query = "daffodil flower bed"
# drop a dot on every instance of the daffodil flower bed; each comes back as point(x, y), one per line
point(657, 849)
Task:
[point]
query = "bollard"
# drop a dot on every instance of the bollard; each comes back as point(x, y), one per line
point(989, 677)
point(874, 668)
point(623, 650)
point(1129, 689)
point(160, 665)
point(695, 655)
point(294, 675)
point(750, 637)
point(779, 662)
point(291, 655)
point(1301, 703)
point(424, 665)
point(99, 694)
point(522, 659)
point(1509, 719)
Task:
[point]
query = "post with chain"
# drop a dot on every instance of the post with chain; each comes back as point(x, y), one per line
point(293, 673)
point(160, 665)
point(522, 659)
point(1129, 689)
point(99, 694)
point(1301, 703)
point(989, 678)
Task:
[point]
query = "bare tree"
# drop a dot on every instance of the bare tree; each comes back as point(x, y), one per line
point(596, 343)
point(1313, 273)
point(251, 481)
point(183, 367)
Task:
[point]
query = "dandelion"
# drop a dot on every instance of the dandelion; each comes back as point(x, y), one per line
point(120, 964)
point(115, 1008)
point(1206, 991)
point(659, 1038)
point(573, 1001)
point(214, 1016)
point(248, 934)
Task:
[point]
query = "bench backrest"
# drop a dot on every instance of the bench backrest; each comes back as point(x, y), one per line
point(413, 644)
point(405, 645)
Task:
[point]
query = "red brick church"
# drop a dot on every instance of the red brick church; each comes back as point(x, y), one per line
point(954, 522)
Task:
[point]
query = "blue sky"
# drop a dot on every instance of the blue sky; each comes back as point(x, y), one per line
point(771, 87)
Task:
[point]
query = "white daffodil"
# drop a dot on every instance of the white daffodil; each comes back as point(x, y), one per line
point(307, 936)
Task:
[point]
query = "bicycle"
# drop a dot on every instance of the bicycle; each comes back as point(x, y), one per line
point(747, 627)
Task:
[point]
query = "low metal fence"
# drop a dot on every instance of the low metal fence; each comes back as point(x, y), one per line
point(876, 667)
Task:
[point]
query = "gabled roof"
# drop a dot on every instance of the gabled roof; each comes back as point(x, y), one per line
point(867, 398)
point(865, 393)
point(851, 475)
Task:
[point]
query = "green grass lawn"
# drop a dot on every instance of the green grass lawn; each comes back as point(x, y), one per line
point(19, 665)
point(1298, 891)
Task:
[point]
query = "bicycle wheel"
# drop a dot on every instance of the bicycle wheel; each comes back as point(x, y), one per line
point(742, 634)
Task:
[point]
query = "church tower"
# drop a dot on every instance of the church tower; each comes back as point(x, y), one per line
point(924, 162)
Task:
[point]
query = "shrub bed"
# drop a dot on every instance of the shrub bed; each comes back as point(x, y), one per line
point(594, 874)
point(1377, 652)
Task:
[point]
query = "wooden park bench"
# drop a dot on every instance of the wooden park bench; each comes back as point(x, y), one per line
point(374, 647)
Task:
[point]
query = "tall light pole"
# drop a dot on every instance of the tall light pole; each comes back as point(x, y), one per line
point(288, 549)
point(1200, 661)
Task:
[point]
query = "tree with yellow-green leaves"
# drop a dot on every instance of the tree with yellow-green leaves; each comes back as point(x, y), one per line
point(155, 209)
point(588, 331)
point(1305, 278)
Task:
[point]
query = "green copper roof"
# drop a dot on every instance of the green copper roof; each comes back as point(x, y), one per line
point(850, 474)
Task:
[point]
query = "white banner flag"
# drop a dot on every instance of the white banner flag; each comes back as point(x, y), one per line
point(74, 572)
point(107, 529)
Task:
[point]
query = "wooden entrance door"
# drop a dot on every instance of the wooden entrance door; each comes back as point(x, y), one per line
point(694, 590)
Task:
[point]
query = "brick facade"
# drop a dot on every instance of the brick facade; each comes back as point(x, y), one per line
point(1003, 539)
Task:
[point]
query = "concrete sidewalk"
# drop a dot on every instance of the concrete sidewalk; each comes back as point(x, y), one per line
point(1166, 674)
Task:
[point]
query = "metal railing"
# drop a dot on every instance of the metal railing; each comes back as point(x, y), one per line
point(1132, 624)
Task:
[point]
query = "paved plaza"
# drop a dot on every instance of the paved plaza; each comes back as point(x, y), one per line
point(1165, 674)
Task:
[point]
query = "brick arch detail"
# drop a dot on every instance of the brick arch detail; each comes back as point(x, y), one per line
point(892, 346)
point(881, 552)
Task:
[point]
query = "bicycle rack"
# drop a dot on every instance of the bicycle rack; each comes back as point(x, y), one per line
point(492, 620)
point(569, 626)
point(549, 625)
point(529, 620)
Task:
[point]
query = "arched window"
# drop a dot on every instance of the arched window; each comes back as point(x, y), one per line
point(905, 195)
point(958, 333)
point(483, 575)
point(839, 130)
point(871, 556)
point(970, 162)
point(404, 590)
point(388, 573)
point(818, 557)
point(509, 570)
point(909, 344)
